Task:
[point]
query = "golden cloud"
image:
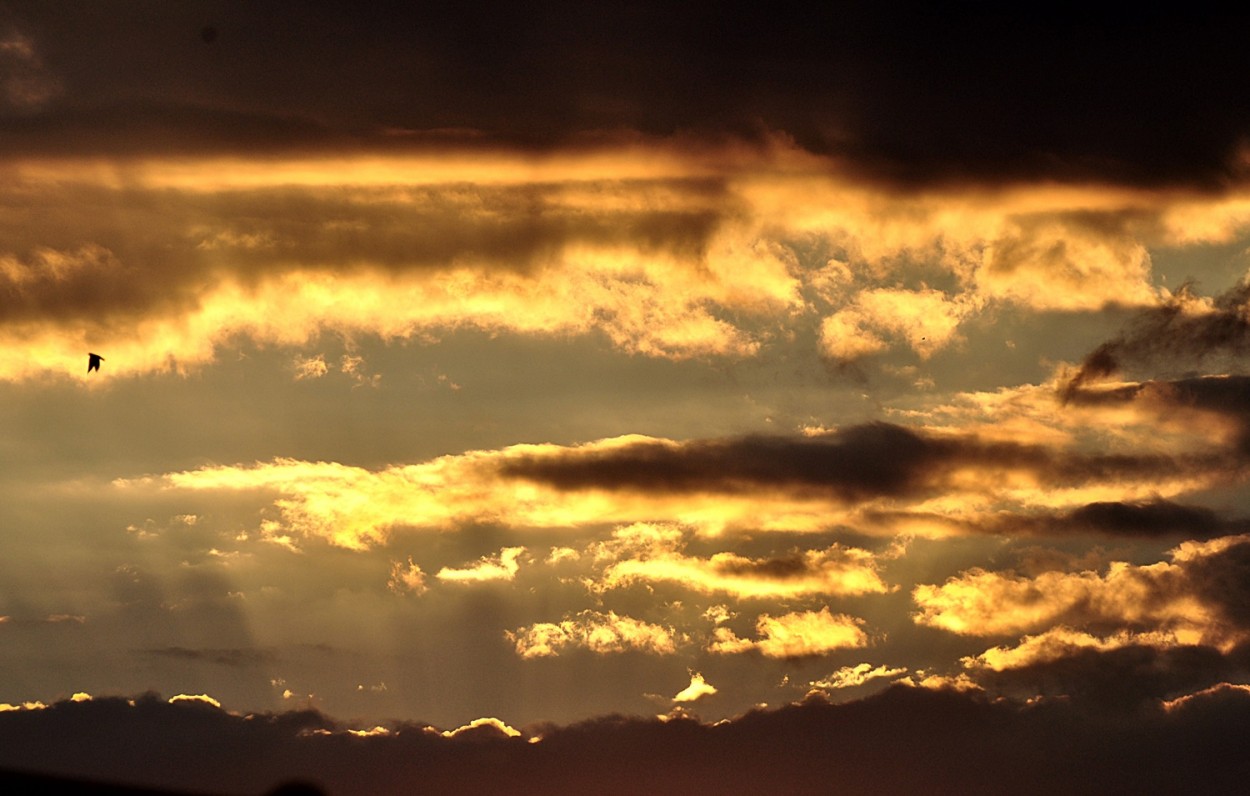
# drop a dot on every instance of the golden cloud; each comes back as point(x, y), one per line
point(1172, 599)
point(356, 508)
point(836, 570)
point(1217, 690)
point(880, 478)
point(798, 634)
point(407, 578)
point(697, 689)
point(502, 566)
point(488, 722)
point(853, 676)
point(1061, 642)
point(927, 320)
point(668, 251)
point(200, 699)
point(598, 632)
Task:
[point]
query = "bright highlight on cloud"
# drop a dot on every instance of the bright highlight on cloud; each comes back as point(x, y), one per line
point(797, 634)
point(595, 631)
point(854, 676)
point(697, 689)
point(503, 566)
point(1173, 598)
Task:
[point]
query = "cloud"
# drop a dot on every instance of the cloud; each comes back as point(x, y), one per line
point(1081, 260)
point(855, 463)
point(890, 94)
point(854, 676)
point(697, 689)
point(1185, 332)
point(1124, 671)
point(1160, 746)
point(927, 320)
point(664, 249)
point(878, 477)
point(26, 85)
point(311, 368)
point(1143, 519)
point(1061, 642)
point(502, 566)
point(1218, 692)
point(220, 657)
point(598, 632)
point(798, 634)
point(482, 727)
point(198, 699)
point(649, 264)
point(1195, 598)
point(856, 466)
point(407, 578)
point(647, 552)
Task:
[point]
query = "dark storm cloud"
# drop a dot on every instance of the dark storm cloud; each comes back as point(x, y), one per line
point(1174, 337)
point(954, 743)
point(905, 92)
point(854, 463)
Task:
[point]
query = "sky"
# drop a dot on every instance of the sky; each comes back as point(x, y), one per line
point(552, 397)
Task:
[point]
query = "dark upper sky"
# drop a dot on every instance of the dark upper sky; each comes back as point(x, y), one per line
point(912, 92)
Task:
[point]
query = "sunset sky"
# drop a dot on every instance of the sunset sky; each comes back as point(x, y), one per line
point(533, 373)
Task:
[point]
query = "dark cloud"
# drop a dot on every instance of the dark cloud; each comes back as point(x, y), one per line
point(1126, 678)
point(1223, 580)
point(1224, 395)
point(1173, 337)
point(1145, 519)
point(953, 742)
point(97, 255)
point(1149, 519)
point(854, 463)
point(911, 92)
point(221, 657)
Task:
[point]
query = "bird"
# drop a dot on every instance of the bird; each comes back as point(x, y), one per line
point(93, 362)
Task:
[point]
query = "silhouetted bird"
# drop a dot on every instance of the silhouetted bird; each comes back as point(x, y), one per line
point(93, 362)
